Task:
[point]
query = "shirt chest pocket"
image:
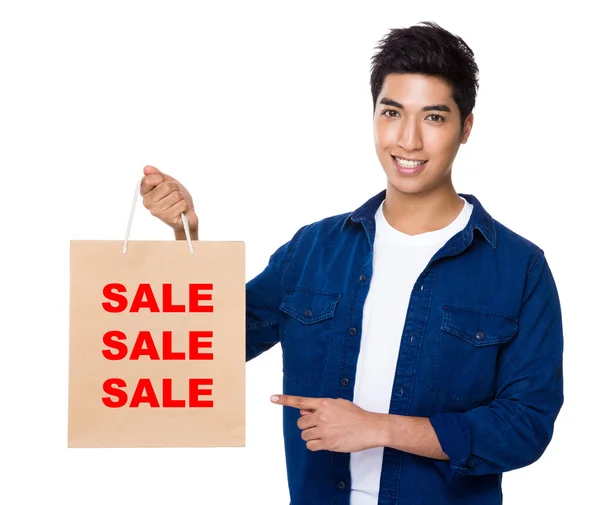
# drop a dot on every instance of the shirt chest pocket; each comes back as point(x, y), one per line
point(306, 328)
point(465, 360)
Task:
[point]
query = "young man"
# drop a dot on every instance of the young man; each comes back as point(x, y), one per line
point(422, 339)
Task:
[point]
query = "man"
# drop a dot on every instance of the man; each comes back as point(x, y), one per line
point(422, 339)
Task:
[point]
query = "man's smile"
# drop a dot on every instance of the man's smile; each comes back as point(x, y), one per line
point(408, 167)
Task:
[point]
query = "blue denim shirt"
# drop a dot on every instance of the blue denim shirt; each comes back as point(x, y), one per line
point(480, 355)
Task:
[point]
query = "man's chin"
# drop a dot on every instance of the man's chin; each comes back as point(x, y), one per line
point(402, 184)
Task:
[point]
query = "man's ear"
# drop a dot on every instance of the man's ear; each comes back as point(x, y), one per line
point(467, 126)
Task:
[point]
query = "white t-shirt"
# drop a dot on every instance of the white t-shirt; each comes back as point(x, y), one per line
point(398, 260)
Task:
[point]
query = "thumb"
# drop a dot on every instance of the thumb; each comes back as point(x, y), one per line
point(149, 169)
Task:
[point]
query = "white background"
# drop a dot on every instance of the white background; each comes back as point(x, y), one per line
point(263, 109)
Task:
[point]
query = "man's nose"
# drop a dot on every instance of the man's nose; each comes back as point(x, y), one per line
point(409, 135)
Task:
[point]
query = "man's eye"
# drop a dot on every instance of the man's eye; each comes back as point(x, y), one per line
point(393, 113)
point(440, 119)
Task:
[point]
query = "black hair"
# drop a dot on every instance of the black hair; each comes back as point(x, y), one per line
point(428, 50)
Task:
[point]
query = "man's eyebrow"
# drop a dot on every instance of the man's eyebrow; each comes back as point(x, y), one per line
point(393, 103)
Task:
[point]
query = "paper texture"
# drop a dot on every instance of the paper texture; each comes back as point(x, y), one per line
point(179, 288)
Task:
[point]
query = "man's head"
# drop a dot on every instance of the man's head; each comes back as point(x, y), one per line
point(424, 82)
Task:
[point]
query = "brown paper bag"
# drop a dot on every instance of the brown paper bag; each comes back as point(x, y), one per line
point(161, 364)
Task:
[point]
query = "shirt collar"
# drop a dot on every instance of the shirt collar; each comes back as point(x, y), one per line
point(479, 220)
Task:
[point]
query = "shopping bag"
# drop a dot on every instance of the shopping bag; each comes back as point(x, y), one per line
point(157, 343)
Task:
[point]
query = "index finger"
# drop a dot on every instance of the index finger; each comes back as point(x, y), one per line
point(298, 402)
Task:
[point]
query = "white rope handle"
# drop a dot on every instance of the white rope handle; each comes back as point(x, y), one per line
point(186, 225)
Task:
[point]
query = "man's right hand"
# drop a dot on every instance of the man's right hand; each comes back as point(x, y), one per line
point(167, 199)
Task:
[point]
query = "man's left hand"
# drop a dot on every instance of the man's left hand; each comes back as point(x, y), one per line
point(336, 424)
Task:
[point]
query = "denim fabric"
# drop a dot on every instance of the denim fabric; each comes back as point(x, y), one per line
point(481, 354)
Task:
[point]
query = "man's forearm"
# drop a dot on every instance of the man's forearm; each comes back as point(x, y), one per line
point(414, 435)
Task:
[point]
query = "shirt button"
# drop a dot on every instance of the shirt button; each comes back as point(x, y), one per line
point(345, 382)
point(308, 313)
point(363, 278)
point(402, 391)
point(479, 335)
point(352, 331)
point(412, 338)
point(341, 484)
point(421, 287)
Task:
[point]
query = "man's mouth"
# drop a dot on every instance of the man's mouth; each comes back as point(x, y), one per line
point(409, 167)
point(408, 163)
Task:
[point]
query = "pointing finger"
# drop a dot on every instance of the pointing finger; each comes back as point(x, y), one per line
point(298, 402)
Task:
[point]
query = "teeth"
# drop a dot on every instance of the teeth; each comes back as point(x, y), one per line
point(408, 164)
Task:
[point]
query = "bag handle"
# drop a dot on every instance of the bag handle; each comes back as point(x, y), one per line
point(186, 225)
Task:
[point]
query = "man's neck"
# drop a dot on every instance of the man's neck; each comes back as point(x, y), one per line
point(418, 213)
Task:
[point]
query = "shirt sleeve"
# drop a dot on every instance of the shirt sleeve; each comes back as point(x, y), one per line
point(263, 297)
point(513, 430)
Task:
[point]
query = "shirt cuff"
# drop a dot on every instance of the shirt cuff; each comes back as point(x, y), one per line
point(454, 435)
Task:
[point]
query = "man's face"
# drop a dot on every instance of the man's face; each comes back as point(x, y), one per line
point(403, 129)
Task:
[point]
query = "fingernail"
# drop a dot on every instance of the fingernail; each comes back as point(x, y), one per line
point(274, 398)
